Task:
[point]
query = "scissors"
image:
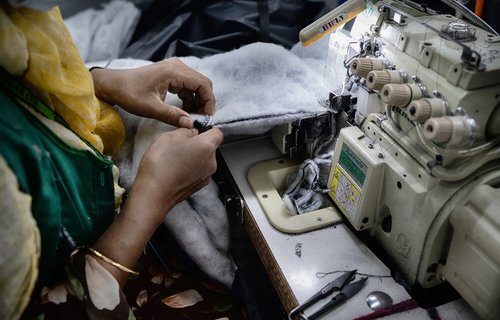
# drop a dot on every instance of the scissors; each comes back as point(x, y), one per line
point(341, 284)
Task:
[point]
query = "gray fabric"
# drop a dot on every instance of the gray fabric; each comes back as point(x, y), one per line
point(199, 224)
point(301, 196)
point(201, 228)
point(307, 185)
point(257, 86)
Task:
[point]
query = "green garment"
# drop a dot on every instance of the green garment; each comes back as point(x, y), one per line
point(72, 190)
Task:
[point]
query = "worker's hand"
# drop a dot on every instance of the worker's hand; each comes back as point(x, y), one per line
point(142, 91)
point(176, 165)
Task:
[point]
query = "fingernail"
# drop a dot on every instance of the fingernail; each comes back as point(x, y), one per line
point(185, 122)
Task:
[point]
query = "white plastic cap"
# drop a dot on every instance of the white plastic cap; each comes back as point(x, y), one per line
point(400, 94)
point(453, 131)
point(422, 109)
point(375, 80)
point(361, 66)
point(438, 129)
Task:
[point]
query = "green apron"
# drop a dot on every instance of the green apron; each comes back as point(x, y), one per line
point(72, 190)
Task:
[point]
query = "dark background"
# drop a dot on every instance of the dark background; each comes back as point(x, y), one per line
point(203, 27)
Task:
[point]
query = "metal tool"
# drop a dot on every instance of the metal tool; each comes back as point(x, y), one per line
point(339, 284)
point(346, 293)
point(378, 300)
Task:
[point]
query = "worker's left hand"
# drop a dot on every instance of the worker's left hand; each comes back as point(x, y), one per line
point(142, 91)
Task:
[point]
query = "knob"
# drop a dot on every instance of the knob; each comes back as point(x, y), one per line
point(453, 131)
point(361, 66)
point(422, 109)
point(438, 129)
point(400, 94)
point(375, 80)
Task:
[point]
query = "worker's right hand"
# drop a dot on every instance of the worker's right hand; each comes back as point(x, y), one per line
point(176, 165)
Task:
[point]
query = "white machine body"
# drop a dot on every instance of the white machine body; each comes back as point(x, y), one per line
point(419, 169)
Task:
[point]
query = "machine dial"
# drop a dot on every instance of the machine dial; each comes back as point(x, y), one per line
point(422, 109)
point(362, 66)
point(375, 80)
point(400, 94)
point(454, 131)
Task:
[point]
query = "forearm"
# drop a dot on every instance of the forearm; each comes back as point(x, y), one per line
point(124, 241)
point(176, 165)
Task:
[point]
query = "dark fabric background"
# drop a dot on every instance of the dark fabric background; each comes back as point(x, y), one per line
point(203, 27)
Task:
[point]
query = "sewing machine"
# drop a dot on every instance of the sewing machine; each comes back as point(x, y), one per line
point(418, 166)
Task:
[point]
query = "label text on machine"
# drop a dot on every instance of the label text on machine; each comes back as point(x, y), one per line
point(338, 19)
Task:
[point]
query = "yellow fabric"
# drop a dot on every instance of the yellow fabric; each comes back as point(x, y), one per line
point(110, 128)
point(15, 59)
point(19, 245)
point(56, 73)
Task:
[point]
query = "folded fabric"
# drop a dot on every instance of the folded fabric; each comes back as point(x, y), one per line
point(201, 227)
point(256, 87)
point(259, 86)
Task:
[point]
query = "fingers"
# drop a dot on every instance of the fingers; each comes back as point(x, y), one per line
point(184, 132)
point(189, 101)
point(207, 100)
point(177, 164)
point(191, 81)
point(142, 91)
point(172, 115)
point(213, 136)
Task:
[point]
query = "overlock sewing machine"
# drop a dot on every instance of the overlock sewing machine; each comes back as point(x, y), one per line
point(416, 163)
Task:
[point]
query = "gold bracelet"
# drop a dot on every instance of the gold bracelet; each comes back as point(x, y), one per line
point(134, 274)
